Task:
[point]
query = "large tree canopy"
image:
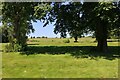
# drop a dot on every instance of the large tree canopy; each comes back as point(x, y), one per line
point(101, 17)
point(76, 18)
point(67, 18)
point(18, 17)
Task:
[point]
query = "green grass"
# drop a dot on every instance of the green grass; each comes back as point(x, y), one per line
point(57, 66)
point(60, 42)
point(52, 58)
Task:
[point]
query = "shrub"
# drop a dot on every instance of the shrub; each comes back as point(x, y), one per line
point(52, 40)
point(66, 41)
point(8, 48)
point(13, 48)
point(17, 48)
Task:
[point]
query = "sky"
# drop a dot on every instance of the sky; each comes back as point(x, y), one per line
point(47, 31)
point(43, 31)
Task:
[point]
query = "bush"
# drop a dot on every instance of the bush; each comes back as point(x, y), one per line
point(66, 41)
point(17, 48)
point(13, 48)
point(52, 40)
point(8, 48)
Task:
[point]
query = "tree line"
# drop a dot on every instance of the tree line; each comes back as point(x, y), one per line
point(75, 18)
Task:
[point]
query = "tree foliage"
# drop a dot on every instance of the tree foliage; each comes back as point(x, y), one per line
point(78, 18)
point(18, 17)
point(101, 17)
point(4, 34)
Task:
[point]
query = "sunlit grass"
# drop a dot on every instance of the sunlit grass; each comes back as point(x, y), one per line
point(57, 66)
point(59, 42)
point(45, 65)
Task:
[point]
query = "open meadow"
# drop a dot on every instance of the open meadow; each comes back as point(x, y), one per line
point(53, 58)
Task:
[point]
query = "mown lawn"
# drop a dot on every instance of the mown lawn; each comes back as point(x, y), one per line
point(52, 58)
point(57, 66)
point(88, 41)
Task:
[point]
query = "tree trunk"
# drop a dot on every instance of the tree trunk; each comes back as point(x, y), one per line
point(17, 29)
point(102, 45)
point(101, 36)
point(75, 39)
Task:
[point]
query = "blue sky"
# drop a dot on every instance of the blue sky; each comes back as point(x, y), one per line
point(46, 31)
point(43, 31)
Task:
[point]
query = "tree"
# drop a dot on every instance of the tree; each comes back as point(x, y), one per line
point(18, 17)
point(75, 35)
point(67, 19)
point(4, 34)
point(100, 17)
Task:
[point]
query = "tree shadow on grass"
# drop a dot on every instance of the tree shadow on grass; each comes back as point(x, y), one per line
point(75, 51)
point(33, 44)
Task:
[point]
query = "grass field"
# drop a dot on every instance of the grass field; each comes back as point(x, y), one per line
point(52, 58)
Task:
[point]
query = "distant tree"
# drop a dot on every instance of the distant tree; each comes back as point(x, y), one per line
point(34, 37)
point(76, 35)
point(43, 36)
point(38, 37)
